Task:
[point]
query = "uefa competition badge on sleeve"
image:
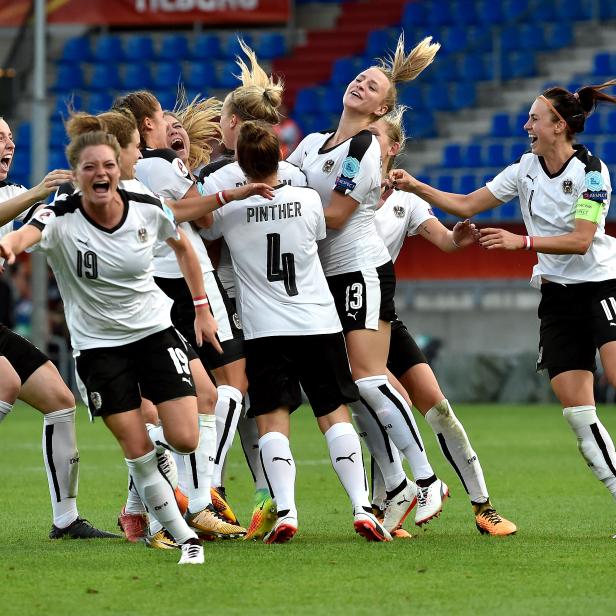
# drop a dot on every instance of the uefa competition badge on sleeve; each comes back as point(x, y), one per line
point(350, 167)
point(594, 180)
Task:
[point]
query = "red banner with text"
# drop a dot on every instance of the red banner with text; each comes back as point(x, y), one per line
point(144, 13)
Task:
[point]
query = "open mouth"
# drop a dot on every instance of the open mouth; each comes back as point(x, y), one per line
point(101, 187)
point(177, 144)
point(355, 93)
point(5, 162)
point(533, 139)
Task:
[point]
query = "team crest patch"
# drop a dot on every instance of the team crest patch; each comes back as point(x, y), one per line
point(236, 321)
point(350, 167)
point(399, 211)
point(594, 180)
point(328, 165)
point(96, 400)
point(567, 187)
point(142, 234)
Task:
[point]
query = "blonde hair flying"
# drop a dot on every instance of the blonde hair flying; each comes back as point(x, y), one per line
point(406, 67)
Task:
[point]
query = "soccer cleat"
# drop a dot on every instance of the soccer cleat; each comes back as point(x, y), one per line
point(399, 506)
point(430, 501)
point(133, 525)
point(192, 553)
point(263, 516)
point(80, 529)
point(489, 522)
point(369, 527)
point(208, 522)
point(182, 500)
point(161, 540)
point(283, 531)
point(401, 533)
point(219, 500)
point(168, 467)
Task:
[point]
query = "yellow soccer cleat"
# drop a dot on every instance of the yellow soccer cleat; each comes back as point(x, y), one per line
point(161, 540)
point(208, 523)
point(489, 522)
point(263, 516)
point(219, 500)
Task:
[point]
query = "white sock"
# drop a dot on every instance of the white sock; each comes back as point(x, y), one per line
point(183, 473)
point(377, 485)
point(345, 454)
point(160, 442)
point(249, 437)
point(228, 410)
point(384, 452)
point(456, 447)
point(594, 443)
point(62, 464)
point(5, 409)
point(157, 494)
point(133, 500)
point(394, 415)
point(279, 468)
point(199, 466)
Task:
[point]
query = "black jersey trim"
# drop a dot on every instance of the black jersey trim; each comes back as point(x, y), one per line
point(590, 162)
point(65, 189)
point(579, 150)
point(357, 148)
point(210, 168)
point(123, 196)
point(4, 183)
point(31, 211)
point(166, 153)
point(141, 197)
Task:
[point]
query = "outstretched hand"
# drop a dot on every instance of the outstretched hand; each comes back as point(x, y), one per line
point(7, 253)
point(248, 190)
point(400, 179)
point(52, 181)
point(500, 239)
point(465, 233)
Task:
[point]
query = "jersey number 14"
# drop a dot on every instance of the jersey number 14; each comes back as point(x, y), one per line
point(275, 271)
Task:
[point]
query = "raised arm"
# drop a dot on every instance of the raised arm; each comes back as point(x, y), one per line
point(463, 234)
point(10, 209)
point(463, 206)
point(16, 242)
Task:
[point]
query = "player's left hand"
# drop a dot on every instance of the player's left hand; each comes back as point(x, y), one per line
point(206, 328)
point(53, 180)
point(248, 190)
point(465, 233)
point(500, 239)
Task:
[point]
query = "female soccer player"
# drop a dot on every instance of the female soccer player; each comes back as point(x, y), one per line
point(100, 245)
point(259, 98)
point(399, 215)
point(564, 194)
point(165, 174)
point(293, 334)
point(26, 373)
point(344, 167)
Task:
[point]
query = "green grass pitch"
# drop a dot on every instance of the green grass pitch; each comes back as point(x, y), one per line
point(562, 560)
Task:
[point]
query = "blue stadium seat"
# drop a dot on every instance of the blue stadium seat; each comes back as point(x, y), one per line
point(464, 13)
point(510, 39)
point(331, 100)
point(419, 125)
point(69, 77)
point(377, 43)
point(573, 11)
point(437, 17)
point(559, 35)
point(543, 12)
point(271, 45)
point(532, 37)
point(311, 123)
point(610, 123)
point(414, 15)
point(227, 75)
point(517, 124)
point(438, 96)
point(445, 182)
point(513, 10)
point(167, 98)
point(108, 48)
point(206, 48)
point(608, 153)
point(517, 65)
point(473, 67)
point(139, 48)
point(591, 146)
point(500, 125)
point(607, 9)
point(62, 105)
point(463, 94)
point(168, 75)
point(57, 159)
point(57, 135)
point(472, 156)
point(308, 100)
point(174, 48)
point(76, 50)
point(137, 76)
point(20, 168)
point(517, 149)
point(468, 183)
point(602, 64)
point(411, 96)
point(446, 71)
point(507, 211)
point(23, 135)
point(232, 47)
point(104, 77)
point(455, 39)
point(592, 125)
point(477, 39)
point(452, 155)
point(344, 70)
point(99, 102)
point(495, 156)
point(489, 12)
point(201, 75)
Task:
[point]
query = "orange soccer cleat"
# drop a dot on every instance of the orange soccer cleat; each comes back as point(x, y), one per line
point(489, 522)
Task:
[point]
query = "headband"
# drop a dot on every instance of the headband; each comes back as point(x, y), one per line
point(549, 104)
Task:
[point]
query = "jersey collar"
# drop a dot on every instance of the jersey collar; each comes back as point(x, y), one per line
point(105, 229)
point(579, 150)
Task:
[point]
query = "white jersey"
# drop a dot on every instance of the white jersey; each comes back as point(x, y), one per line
point(351, 168)
point(548, 203)
point(164, 173)
point(232, 176)
point(400, 217)
point(281, 288)
point(8, 190)
point(105, 275)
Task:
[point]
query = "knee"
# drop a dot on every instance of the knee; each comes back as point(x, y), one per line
point(61, 397)
point(185, 442)
point(9, 389)
point(207, 395)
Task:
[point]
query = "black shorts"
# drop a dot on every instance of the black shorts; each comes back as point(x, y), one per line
point(403, 350)
point(230, 333)
point(364, 297)
point(576, 320)
point(276, 366)
point(155, 366)
point(20, 353)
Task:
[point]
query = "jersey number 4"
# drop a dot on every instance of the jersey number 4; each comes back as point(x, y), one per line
point(274, 270)
point(87, 264)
